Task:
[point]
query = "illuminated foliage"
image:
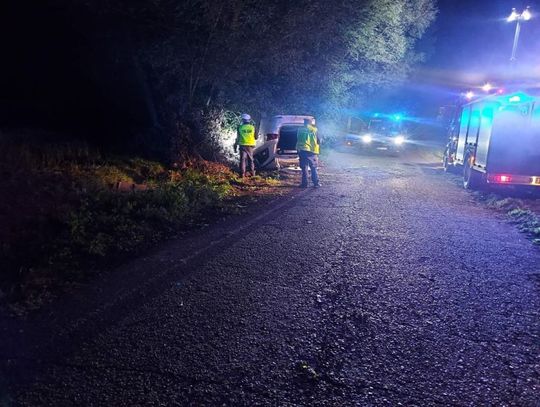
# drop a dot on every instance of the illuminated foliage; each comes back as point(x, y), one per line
point(272, 55)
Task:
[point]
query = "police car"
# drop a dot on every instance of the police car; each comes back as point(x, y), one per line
point(383, 134)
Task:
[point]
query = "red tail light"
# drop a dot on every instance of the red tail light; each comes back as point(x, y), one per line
point(500, 178)
point(271, 136)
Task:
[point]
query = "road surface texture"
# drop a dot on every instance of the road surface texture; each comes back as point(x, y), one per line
point(388, 286)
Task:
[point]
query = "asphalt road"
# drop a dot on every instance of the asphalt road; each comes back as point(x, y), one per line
point(387, 286)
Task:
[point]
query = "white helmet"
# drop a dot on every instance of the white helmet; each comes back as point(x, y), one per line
point(246, 117)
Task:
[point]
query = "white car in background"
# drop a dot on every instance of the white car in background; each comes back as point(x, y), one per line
point(279, 146)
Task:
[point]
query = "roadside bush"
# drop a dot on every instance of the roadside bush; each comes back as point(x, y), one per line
point(66, 210)
point(110, 223)
point(99, 224)
point(528, 222)
point(520, 211)
point(109, 175)
point(208, 134)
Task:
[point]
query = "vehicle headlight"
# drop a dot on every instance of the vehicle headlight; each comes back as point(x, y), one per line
point(366, 138)
point(399, 140)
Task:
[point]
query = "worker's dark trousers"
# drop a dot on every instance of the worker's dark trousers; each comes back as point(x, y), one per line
point(246, 153)
point(308, 159)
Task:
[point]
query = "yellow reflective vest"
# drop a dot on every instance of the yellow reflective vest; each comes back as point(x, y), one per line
point(246, 135)
point(307, 139)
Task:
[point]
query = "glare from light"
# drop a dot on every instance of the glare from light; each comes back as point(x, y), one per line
point(469, 95)
point(399, 140)
point(487, 87)
point(513, 16)
point(514, 99)
point(366, 138)
point(526, 15)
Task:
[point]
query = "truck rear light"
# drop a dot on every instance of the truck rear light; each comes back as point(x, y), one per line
point(271, 136)
point(500, 178)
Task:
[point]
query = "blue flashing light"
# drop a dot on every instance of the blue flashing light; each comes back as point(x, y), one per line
point(519, 97)
point(397, 117)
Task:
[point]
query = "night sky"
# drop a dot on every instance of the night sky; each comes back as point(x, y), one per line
point(473, 42)
point(469, 44)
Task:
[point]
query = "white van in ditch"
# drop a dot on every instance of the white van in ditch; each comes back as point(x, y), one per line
point(279, 146)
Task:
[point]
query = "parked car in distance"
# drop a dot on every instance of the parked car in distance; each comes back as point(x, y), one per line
point(382, 134)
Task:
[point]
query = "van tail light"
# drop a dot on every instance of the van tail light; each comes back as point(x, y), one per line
point(271, 136)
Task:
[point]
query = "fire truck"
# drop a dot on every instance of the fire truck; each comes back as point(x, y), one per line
point(496, 141)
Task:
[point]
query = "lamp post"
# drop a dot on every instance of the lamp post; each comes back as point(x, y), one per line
point(518, 18)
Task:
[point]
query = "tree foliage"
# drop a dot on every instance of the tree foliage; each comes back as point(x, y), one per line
point(271, 56)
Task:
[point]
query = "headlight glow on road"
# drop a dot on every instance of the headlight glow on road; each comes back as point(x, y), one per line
point(366, 138)
point(399, 140)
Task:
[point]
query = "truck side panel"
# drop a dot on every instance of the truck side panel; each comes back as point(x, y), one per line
point(515, 143)
point(474, 128)
point(484, 135)
point(464, 127)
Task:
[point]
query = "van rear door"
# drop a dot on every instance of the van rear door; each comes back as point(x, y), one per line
point(288, 138)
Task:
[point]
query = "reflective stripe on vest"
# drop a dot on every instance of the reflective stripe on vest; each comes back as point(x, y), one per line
point(246, 135)
point(307, 139)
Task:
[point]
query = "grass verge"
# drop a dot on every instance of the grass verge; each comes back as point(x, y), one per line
point(523, 212)
point(520, 206)
point(68, 211)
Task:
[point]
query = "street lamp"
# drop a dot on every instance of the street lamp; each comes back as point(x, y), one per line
point(487, 87)
point(515, 16)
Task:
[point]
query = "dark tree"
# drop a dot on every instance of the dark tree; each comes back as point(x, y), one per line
point(152, 64)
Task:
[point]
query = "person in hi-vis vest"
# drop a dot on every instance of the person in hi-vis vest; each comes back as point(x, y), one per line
point(308, 152)
point(246, 139)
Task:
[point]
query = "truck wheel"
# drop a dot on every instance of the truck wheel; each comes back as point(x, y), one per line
point(472, 179)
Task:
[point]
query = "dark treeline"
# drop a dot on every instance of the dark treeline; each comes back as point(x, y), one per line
point(143, 72)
